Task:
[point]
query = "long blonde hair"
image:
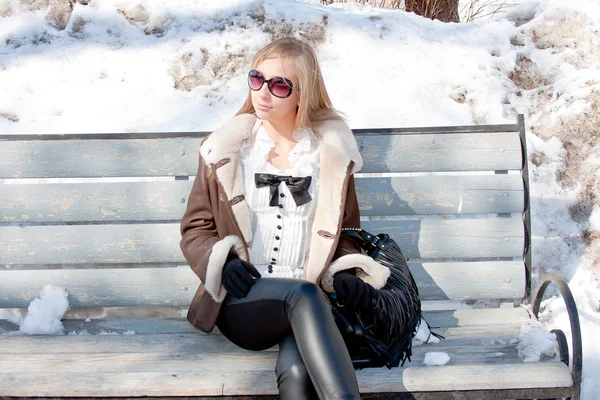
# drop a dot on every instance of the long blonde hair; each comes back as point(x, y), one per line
point(315, 105)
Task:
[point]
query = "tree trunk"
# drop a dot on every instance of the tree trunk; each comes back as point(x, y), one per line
point(444, 10)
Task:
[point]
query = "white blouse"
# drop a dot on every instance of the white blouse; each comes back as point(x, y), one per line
point(278, 247)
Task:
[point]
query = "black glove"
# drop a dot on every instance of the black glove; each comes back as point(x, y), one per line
point(238, 277)
point(353, 292)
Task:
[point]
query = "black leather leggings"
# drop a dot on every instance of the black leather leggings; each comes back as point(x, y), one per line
point(313, 359)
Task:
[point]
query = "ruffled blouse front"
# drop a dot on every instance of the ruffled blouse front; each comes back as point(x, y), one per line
point(279, 245)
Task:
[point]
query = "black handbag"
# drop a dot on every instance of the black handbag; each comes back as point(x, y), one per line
point(383, 335)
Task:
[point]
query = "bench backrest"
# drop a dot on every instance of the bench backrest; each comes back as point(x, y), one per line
point(99, 214)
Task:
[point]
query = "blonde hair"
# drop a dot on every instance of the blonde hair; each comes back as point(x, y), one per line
point(315, 105)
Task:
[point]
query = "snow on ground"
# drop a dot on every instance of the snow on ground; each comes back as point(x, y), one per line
point(180, 65)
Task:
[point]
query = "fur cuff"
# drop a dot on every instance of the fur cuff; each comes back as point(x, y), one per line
point(368, 270)
point(216, 262)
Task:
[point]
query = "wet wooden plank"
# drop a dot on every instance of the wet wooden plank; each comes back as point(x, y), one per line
point(454, 321)
point(433, 195)
point(99, 158)
point(443, 152)
point(132, 336)
point(198, 355)
point(452, 377)
point(166, 201)
point(176, 286)
point(248, 380)
point(159, 243)
point(179, 156)
point(94, 202)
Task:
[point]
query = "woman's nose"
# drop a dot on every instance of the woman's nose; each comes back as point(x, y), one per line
point(264, 92)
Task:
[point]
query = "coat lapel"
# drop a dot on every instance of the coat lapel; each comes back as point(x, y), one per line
point(221, 149)
point(328, 216)
point(231, 178)
point(338, 150)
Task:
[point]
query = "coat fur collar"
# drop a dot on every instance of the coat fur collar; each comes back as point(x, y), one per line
point(226, 141)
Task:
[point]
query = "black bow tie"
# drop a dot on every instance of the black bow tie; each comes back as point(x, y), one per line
point(298, 187)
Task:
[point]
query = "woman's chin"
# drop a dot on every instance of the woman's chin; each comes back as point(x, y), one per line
point(264, 115)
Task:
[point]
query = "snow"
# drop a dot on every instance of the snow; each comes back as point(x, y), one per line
point(102, 332)
point(44, 314)
point(83, 332)
point(535, 344)
point(436, 358)
point(179, 65)
point(424, 335)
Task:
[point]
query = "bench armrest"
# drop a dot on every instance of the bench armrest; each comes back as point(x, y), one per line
point(563, 287)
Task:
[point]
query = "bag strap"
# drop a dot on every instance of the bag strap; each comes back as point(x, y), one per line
point(367, 240)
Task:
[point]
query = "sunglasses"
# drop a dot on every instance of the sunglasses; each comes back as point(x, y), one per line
point(278, 86)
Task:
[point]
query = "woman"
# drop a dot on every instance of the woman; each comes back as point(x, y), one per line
point(262, 228)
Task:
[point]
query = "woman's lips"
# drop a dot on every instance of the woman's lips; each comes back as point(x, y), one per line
point(263, 108)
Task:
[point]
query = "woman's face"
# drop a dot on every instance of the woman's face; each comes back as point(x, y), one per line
point(267, 106)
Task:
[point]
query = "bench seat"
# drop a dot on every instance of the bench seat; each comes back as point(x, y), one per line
point(114, 361)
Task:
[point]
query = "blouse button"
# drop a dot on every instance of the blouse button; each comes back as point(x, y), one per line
point(273, 259)
point(278, 226)
point(275, 248)
point(276, 237)
point(278, 216)
point(281, 195)
point(281, 206)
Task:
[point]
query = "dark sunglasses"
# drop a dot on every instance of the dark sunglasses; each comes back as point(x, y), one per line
point(278, 86)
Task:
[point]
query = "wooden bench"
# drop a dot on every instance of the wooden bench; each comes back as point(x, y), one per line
point(455, 199)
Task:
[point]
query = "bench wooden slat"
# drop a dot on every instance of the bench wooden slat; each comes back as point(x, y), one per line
point(75, 313)
point(147, 243)
point(94, 202)
point(431, 195)
point(80, 342)
point(99, 158)
point(138, 287)
point(255, 381)
point(166, 201)
point(480, 377)
point(469, 280)
point(179, 157)
point(185, 343)
point(198, 355)
point(441, 152)
point(454, 238)
point(456, 320)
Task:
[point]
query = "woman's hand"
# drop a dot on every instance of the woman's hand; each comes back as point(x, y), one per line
point(239, 276)
point(352, 292)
